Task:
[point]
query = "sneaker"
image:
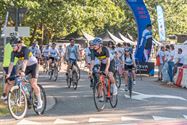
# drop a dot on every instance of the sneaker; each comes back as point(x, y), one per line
point(126, 88)
point(3, 97)
point(114, 89)
point(40, 104)
point(134, 82)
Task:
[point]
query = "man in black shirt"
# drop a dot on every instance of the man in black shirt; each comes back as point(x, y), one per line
point(107, 65)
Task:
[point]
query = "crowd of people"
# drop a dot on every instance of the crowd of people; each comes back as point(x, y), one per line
point(168, 61)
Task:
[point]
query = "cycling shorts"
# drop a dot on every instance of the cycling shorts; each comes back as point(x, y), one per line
point(32, 70)
point(13, 73)
point(127, 67)
point(111, 67)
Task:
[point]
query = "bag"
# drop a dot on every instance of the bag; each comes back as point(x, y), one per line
point(158, 61)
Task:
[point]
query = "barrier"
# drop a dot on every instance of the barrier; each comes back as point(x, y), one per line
point(181, 79)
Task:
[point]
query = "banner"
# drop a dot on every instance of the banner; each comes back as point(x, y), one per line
point(146, 68)
point(142, 18)
point(161, 23)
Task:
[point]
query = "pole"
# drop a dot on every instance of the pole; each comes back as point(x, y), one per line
point(17, 14)
point(4, 33)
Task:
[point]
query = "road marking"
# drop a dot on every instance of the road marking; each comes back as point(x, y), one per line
point(158, 118)
point(142, 96)
point(129, 119)
point(91, 120)
point(27, 122)
point(62, 121)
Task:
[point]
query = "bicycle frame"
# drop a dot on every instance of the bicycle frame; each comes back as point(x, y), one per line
point(103, 84)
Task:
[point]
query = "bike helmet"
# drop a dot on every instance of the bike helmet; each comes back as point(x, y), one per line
point(127, 50)
point(97, 41)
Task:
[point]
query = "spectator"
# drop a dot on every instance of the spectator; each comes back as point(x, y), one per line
point(179, 60)
point(161, 56)
point(171, 63)
point(165, 75)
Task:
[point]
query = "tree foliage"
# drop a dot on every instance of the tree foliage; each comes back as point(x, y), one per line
point(49, 19)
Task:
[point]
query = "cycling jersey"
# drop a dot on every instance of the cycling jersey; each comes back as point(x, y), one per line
point(24, 54)
point(101, 56)
point(72, 52)
point(128, 62)
point(46, 52)
point(61, 51)
point(53, 52)
point(35, 51)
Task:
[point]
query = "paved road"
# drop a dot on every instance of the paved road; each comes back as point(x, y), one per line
point(151, 103)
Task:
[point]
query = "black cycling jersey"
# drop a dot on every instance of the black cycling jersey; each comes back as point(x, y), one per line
point(24, 54)
point(101, 56)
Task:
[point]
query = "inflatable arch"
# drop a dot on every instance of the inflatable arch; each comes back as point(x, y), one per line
point(142, 19)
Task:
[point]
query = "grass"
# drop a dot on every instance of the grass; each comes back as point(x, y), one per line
point(3, 107)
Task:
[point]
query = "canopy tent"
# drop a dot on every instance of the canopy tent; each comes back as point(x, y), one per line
point(76, 35)
point(105, 37)
point(115, 39)
point(87, 36)
point(126, 39)
point(129, 36)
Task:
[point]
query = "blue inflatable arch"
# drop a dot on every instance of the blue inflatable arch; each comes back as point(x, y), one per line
point(142, 18)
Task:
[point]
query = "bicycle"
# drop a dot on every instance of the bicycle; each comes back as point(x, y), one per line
point(117, 76)
point(21, 98)
point(102, 93)
point(73, 75)
point(53, 71)
point(45, 65)
point(130, 82)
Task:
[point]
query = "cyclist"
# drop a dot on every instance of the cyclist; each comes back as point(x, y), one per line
point(129, 63)
point(62, 53)
point(35, 50)
point(45, 52)
point(107, 65)
point(6, 62)
point(72, 55)
point(53, 54)
point(29, 66)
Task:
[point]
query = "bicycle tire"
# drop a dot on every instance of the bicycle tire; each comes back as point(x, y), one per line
point(68, 81)
point(43, 96)
point(96, 96)
point(55, 73)
point(118, 79)
point(17, 91)
point(114, 101)
point(75, 79)
point(50, 74)
point(130, 86)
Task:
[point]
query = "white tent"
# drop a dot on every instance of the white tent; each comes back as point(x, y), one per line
point(117, 40)
point(126, 39)
point(88, 36)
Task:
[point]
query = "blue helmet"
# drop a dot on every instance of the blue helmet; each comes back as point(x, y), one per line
point(97, 41)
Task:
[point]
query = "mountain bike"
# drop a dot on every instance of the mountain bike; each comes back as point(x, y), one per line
point(21, 97)
point(102, 93)
point(53, 71)
point(73, 75)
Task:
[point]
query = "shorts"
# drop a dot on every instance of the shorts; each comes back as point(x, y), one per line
point(111, 67)
point(13, 73)
point(33, 70)
point(127, 67)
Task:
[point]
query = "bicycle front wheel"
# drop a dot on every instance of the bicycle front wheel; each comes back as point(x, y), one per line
point(55, 74)
point(130, 87)
point(17, 102)
point(44, 100)
point(75, 79)
point(99, 97)
point(118, 79)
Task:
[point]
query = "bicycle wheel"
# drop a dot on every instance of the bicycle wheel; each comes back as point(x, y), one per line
point(130, 86)
point(68, 80)
point(44, 100)
point(99, 95)
point(118, 79)
point(55, 73)
point(17, 102)
point(75, 79)
point(50, 73)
